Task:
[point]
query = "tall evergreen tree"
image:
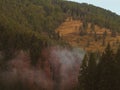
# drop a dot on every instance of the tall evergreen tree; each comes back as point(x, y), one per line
point(107, 71)
point(117, 60)
point(91, 77)
point(87, 77)
point(83, 74)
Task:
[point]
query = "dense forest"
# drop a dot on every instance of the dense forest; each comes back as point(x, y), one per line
point(100, 72)
point(29, 26)
point(21, 21)
point(90, 13)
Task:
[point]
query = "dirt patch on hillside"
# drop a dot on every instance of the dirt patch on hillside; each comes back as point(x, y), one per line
point(70, 32)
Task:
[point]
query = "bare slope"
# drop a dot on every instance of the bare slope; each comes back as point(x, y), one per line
point(92, 41)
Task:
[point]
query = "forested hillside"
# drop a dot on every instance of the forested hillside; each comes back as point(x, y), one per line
point(28, 25)
point(90, 13)
point(34, 57)
point(40, 18)
point(100, 72)
point(37, 15)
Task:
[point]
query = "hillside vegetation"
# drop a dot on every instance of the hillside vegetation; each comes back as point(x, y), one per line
point(36, 42)
point(28, 25)
point(90, 13)
point(93, 38)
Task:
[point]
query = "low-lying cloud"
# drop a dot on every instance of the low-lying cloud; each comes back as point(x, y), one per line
point(60, 70)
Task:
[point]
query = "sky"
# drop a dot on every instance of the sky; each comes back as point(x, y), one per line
point(112, 5)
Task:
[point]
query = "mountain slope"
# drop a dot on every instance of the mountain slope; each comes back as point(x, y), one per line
point(93, 40)
point(30, 24)
point(34, 49)
point(90, 13)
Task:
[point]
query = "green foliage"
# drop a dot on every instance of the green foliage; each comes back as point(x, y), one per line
point(29, 25)
point(101, 73)
point(21, 20)
point(26, 25)
point(87, 77)
point(90, 13)
point(83, 74)
point(107, 71)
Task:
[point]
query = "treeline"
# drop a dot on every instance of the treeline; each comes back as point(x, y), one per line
point(28, 25)
point(100, 72)
point(89, 13)
point(36, 15)
point(12, 41)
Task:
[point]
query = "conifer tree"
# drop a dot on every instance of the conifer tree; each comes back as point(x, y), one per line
point(107, 71)
point(87, 77)
point(82, 82)
point(91, 77)
point(117, 60)
point(92, 27)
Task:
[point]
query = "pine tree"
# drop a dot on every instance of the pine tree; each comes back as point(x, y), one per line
point(87, 77)
point(83, 74)
point(91, 77)
point(117, 59)
point(107, 71)
point(105, 34)
point(85, 25)
point(113, 34)
point(92, 27)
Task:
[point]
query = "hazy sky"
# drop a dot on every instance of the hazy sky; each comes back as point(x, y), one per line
point(113, 5)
